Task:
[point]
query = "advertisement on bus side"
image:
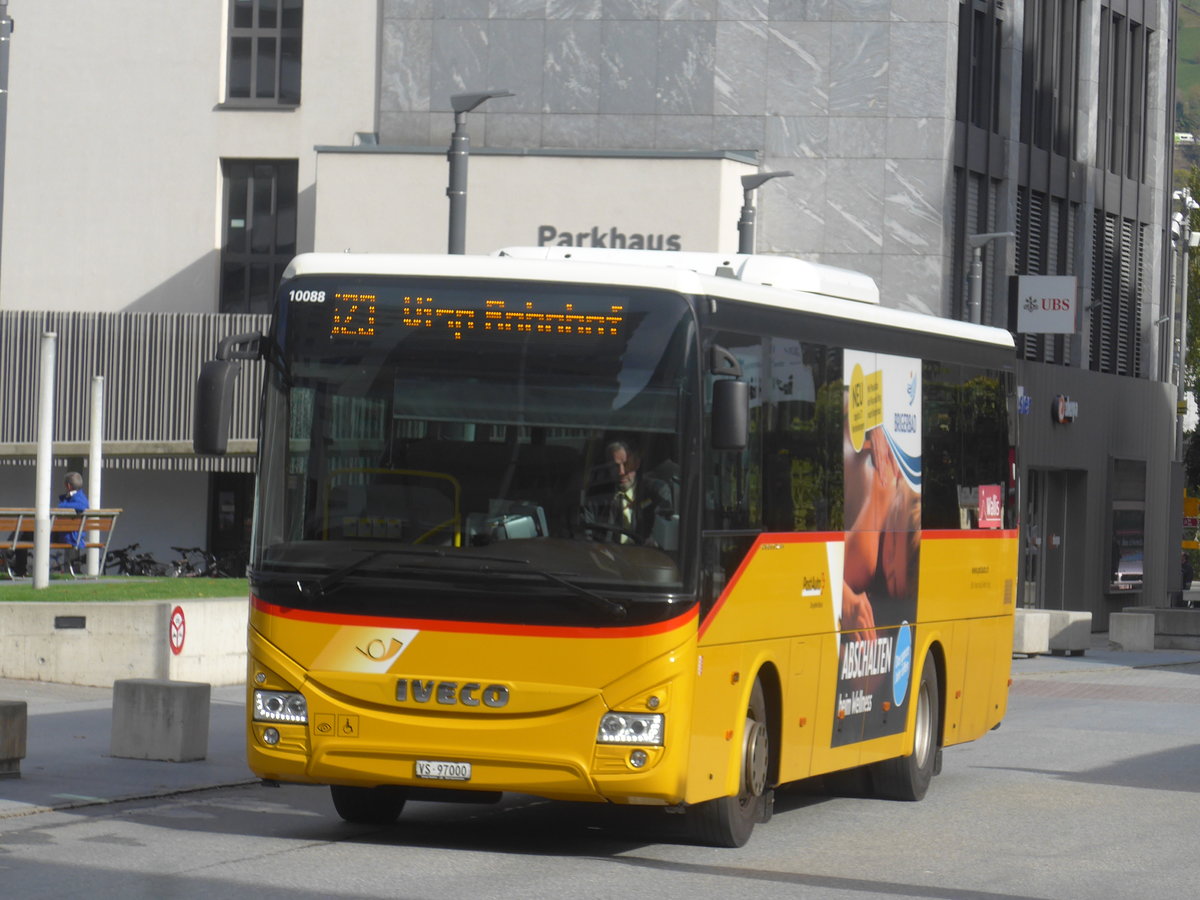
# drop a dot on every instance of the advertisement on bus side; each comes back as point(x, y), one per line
point(882, 465)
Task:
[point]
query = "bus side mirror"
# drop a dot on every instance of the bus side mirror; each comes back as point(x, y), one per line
point(730, 415)
point(214, 392)
point(730, 401)
point(214, 406)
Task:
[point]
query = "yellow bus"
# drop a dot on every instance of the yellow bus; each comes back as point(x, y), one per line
point(663, 529)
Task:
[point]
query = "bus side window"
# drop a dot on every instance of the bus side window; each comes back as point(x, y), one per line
point(966, 442)
point(942, 450)
point(802, 451)
point(733, 479)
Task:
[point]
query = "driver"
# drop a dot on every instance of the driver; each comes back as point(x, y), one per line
point(623, 501)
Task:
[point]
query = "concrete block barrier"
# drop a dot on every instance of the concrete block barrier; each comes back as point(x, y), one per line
point(158, 719)
point(1131, 631)
point(1174, 629)
point(1031, 632)
point(1070, 631)
point(13, 718)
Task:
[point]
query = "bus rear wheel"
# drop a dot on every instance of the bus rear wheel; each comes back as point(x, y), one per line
point(368, 806)
point(908, 777)
point(729, 821)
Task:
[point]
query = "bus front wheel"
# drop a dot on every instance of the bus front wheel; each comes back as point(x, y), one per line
point(368, 806)
point(728, 821)
point(908, 777)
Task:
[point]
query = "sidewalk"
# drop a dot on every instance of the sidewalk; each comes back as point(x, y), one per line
point(68, 737)
point(67, 762)
point(1099, 657)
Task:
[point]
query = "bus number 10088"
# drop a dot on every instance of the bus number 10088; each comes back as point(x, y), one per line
point(306, 296)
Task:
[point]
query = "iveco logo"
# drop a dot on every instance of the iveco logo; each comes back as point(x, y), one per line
point(451, 693)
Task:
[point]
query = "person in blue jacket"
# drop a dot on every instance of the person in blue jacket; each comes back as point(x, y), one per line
point(74, 498)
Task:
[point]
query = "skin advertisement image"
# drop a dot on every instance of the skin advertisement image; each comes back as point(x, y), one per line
point(882, 461)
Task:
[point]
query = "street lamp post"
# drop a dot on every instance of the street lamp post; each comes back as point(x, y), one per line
point(976, 242)
point(751, 183)
point(6, 30)
point(460, 149)
point(1181, 226)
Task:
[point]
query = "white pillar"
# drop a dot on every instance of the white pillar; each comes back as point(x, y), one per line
point(95, 466)
point(45, 432)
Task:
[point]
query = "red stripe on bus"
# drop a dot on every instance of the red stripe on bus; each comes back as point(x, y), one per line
point(839, 537)
point(554, 631)
point(958, 534)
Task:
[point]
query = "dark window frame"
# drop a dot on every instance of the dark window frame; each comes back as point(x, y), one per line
point(1124, 83)
point(262, 195)
point(263, 66)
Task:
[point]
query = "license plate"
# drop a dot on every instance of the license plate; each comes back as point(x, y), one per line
point(443, 771)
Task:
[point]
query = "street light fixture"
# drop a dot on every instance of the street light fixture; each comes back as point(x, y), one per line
point(751, 183)
point(976, 242)
point(460, 149)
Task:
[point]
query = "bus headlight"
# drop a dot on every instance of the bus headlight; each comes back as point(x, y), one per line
point(631, 728)
point(280, 706)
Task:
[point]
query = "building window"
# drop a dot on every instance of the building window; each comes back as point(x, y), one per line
point(979, 36)
point(264, 52)
point(1118, 284)
point(1124, 84)
point(259, 231)
point(1048, 94)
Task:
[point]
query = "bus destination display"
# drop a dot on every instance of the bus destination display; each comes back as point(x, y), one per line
point(353, 315)
point(356, 315)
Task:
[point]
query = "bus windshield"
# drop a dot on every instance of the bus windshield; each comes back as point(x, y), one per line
point(431, 445)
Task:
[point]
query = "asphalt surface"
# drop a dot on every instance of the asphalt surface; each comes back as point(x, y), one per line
point(69, 732)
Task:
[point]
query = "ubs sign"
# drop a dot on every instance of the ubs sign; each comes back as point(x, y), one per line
point(1046, 304)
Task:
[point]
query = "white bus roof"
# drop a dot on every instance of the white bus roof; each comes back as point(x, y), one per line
point(766, 280)
point(771, 271)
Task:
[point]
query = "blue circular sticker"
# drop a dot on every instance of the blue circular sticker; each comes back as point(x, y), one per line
point(902, 665)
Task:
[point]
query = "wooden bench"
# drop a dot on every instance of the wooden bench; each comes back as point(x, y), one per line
point(18, 526)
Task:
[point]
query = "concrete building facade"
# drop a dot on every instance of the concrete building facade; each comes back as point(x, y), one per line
point(909, 128)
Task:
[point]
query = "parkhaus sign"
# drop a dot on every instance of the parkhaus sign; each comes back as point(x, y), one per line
point(612, 238)
point(1046, 304)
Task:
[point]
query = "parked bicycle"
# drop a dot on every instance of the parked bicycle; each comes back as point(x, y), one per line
point(126, 561)
point(121, 560)
point(193, 562)
point(232, 564)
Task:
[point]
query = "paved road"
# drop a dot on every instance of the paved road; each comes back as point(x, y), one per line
point(70, 730)
point(1090, 789)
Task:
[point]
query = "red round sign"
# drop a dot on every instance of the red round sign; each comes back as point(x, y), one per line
point(177, 630)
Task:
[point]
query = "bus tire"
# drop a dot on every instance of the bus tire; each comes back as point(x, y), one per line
point(368, 806)
point(908, 777)
point(729, 821)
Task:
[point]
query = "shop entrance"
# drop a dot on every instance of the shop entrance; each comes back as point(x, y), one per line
point(1054, 539)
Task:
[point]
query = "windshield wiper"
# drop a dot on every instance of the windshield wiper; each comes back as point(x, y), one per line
point(316, 589)
point(610, 606)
